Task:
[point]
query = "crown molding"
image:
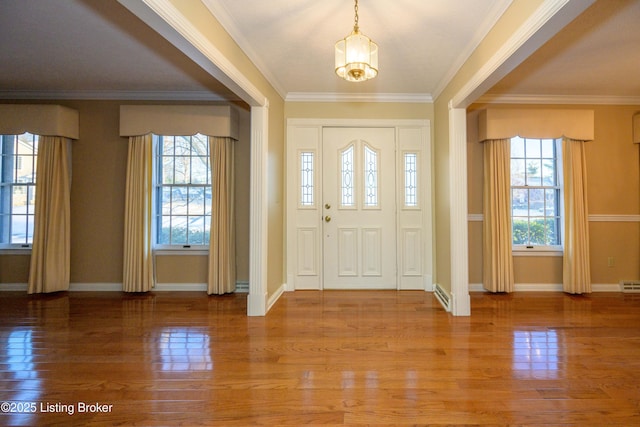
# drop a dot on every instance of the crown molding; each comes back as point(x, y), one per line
point(420, 98)
point(490, 98)
point(120, 95)
point(483, 29)
point(220, 12)
point(537, 29)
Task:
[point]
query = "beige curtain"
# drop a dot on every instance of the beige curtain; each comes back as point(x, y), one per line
point(575, 270)
point(50, 254)
point(222, 251)
point(497, 239)
point(138, 257)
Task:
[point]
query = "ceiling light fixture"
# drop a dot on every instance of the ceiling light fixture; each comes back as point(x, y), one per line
point(356, 55)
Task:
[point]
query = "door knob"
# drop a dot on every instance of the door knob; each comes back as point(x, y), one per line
point(327, 206)
point(327, 218)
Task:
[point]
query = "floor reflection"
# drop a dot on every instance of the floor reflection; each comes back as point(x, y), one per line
point(184, 349)
point(535, 354)
point(21, 365)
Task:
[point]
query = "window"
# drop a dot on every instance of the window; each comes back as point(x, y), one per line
point(18, 160)
point(411, 180)
point(347, 187)
point(306, 179)
point(182, 191)
point(535, 192)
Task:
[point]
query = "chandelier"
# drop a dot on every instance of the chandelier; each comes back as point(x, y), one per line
point(356, 55)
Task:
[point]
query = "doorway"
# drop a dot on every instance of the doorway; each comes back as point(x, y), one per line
point(359, 204)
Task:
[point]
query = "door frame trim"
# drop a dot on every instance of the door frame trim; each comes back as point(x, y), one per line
point(291, 190)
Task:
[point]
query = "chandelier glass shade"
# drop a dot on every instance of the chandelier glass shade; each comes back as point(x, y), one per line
point(356, 55)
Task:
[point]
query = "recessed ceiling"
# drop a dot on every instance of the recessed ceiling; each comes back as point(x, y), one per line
point(92, 48)
point(595, 55)
point(421, 43)
point(99, 49)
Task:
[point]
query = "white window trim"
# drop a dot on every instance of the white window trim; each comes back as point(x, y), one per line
point(521, 250)
point(159, 249)
point(547, 250)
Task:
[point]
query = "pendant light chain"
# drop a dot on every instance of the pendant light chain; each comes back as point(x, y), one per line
point(355, 26)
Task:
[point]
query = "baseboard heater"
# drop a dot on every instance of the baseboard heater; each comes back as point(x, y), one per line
point(630, 286)
point(442, 296)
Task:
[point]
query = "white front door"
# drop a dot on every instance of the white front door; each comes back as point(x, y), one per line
point(359, 208)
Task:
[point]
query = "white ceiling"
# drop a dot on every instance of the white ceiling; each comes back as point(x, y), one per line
point(596, 55)
point(98, 49)
point(421, 43)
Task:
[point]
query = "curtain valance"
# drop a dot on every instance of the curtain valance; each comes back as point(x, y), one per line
point(44, 120)
point(210, 120)
point(536, 123)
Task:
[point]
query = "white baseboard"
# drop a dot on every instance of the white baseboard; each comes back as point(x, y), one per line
point(172, 287)
point(14, 287)
point(276, 296)
point(549, 287)
point(241, 287)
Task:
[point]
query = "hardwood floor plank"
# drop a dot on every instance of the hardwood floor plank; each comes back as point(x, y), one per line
point(323, 358)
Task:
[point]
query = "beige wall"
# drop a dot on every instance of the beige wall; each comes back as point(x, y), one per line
point(613, 185)
point(198, 15)
point(515, 15)
point(99, 159)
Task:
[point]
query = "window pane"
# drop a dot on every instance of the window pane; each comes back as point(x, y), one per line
point(196, 201)
point(537, 232)
point(517, 147)
point(520, 231)
point(533, 148)
point(552, 227)
point(165, 230)
point(167, 170)
point(370, 177)
point(551, 202)
point(520, 202)
point(182, 167)
point(207, 201)
point(196, 231)
point(410, 179)
point(536, 202)
point(306, 179)
point(534, 173)
point(548, 172)
point(178, 200)
point(182, 146)
point(179, 229)
point(347, 198)
point(517, 172)
point(200, 170)
point(548, 149)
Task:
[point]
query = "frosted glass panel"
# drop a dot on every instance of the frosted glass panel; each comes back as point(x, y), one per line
point(411, 179)
point(346, 169)
point(370, 177)
point(306, 179)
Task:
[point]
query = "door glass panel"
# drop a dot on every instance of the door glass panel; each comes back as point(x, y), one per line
point(346, 168)
point(370, 177)
point(306, 179)
point(411, 180)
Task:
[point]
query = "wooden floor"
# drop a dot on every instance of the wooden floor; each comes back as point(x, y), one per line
point(355, 358)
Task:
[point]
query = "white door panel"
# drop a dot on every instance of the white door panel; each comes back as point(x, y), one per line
point(359, 208)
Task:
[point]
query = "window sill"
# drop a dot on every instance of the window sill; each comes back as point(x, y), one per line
point(15, 251)
point(180, 251)
point(538, 251)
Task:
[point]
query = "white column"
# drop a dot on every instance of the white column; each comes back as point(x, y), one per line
point(460, 300)
point(257, 299)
